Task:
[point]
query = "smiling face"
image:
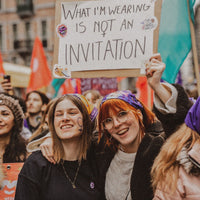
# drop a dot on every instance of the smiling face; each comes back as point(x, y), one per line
point(126, 129)
point(126, 132)
point(68, 120)
point(6, 120)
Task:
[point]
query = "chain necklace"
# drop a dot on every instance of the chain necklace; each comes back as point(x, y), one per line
point(67, 176)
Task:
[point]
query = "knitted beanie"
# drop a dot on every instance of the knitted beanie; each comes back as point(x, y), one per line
point(16, 109)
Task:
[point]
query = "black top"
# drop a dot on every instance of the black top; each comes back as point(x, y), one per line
point(149, 148)
point(41, 180)
point(31, 128)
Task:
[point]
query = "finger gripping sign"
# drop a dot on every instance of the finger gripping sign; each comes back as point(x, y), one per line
point(105, 35)
point(10, 171)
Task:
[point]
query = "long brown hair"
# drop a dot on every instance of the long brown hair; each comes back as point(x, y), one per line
point(116, 104)
point(165, 168)
point(86, 135)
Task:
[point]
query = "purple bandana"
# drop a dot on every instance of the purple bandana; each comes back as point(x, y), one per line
point(124, 95)
point(192, 119)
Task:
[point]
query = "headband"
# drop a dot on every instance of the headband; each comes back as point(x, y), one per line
point(124, 95)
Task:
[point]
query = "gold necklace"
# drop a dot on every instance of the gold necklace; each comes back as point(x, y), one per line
point(72, 182)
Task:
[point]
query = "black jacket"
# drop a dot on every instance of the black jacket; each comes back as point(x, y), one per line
point(148, 149)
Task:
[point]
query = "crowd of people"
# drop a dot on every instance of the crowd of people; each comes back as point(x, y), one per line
point(113, 147)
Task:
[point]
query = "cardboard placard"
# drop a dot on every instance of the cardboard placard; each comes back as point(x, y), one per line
point(107, 38)
point(11, 171)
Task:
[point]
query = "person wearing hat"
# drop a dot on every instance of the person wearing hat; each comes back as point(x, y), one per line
point(74, 174)
point(12, 145)
point(176, 170)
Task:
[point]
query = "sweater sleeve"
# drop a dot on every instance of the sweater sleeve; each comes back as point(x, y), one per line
point(170, 106)
point(172, 120)
point(29, 179)
point(35, 144)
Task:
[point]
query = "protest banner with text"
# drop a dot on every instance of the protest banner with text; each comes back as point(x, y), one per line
point(95, 37)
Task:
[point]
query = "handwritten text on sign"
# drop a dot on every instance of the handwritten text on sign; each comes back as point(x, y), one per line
point(114, 34)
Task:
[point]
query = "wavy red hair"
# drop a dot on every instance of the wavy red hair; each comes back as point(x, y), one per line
point(116, 105)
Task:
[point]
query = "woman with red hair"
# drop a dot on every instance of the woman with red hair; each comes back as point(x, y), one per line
point(131, 136)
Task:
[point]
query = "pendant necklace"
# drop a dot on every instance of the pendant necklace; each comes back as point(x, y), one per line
point(67, 176)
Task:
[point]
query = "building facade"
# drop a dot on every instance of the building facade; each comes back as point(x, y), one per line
point(20, 22)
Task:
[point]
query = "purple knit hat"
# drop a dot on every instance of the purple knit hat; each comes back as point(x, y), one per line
point(192, 119)
point(124, 95)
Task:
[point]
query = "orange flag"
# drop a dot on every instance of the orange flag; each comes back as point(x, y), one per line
point(40, 72)
point(145, 93)
point(2, 72)
point(68, 87)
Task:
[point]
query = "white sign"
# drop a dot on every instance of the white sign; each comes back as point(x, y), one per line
point(111, 34)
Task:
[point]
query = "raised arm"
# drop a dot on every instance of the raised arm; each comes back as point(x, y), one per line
point(154, 70)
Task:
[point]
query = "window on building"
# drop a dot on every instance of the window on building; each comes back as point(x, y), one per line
point(2, 4)
point(28, 34)
point(44, 33)
point(14, 60)
point(44, 29)
point(28, 30)
point(15, 35)
point(21, 2)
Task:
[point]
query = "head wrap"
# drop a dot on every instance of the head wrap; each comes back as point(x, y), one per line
point(192, 119)
point(124, 95)
point(93, 111)
point(14, 106)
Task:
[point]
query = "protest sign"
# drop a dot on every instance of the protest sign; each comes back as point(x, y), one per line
point(106, 38)
point(11, 171)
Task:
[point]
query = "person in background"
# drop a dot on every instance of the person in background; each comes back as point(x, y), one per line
point(74, 174)
point(6, 85)
point(176, 170)
point(36, 102)
point(41, 132)
point(25, 133)
point(12, 145)
point(93, 96)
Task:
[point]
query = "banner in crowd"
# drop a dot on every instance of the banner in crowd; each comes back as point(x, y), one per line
point(40, 73)
point(104, 35)
point(103, 85)
point(174, 36)
point(2, 71)
point(11, 171)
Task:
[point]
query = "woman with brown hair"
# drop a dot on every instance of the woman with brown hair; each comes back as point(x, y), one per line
point(176, 170)
point(12, 145)
point(131, 136)
point(73, 175)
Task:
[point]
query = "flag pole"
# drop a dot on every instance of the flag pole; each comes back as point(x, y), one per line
point(194, 50)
